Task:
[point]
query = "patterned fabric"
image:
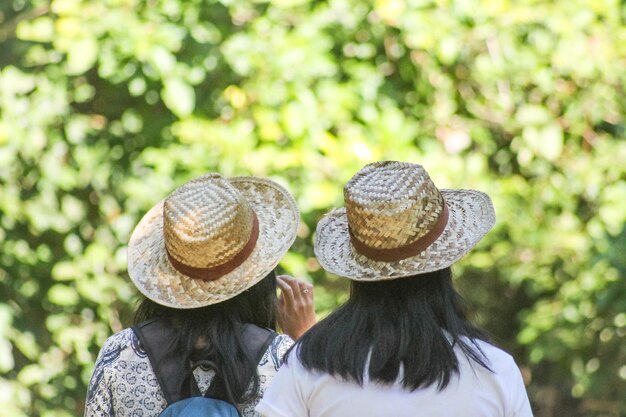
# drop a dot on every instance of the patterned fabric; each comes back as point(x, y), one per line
point(123, 383)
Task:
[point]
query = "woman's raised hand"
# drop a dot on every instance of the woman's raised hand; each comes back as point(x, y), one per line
point(296, 306)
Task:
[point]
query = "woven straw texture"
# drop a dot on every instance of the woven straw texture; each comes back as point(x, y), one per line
point(211, 215)
point(390, 205)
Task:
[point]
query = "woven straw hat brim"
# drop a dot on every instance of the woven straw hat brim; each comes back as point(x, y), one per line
point(471, 216)
point(154, 276)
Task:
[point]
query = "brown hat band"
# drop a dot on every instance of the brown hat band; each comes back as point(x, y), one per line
point(403, 252)
point(213, 273)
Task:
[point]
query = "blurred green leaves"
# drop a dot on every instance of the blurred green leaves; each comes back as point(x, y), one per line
point(107, 106)
point(178, 96)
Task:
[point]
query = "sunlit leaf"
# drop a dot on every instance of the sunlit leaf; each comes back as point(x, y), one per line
point(178, 96)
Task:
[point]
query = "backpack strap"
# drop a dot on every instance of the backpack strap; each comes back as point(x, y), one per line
point(159, 341)
point(172, 368)
point(257, 340)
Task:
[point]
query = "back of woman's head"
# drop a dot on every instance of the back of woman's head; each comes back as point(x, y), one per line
point(407, 323)
point(256, 305)
point(427, 296)
point(214, 332)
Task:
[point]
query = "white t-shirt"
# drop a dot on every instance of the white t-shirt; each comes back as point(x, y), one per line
point(297, 392)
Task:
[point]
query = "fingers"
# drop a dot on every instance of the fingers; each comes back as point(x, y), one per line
point(306, 289)
point(293, 290)
point(287, 296)
point(296, 312)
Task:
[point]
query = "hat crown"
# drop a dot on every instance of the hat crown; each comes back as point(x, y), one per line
point(391, 204)
point(206, 222)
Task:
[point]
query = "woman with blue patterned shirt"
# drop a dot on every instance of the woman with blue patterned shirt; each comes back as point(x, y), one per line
point(204, 259)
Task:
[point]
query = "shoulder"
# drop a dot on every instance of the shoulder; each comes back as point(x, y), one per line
point(121, 376)
point(282, 342)
point(508, 379)
point(125, 341)
point(273, 356)
point(500, 361)
point(118, 349)
point(114, 351)
point(496, 355)
point(281, 345)
point(120, 340)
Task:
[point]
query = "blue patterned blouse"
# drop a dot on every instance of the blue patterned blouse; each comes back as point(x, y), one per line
point(124, 385)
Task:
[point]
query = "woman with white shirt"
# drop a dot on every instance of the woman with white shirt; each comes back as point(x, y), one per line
point(401, 344)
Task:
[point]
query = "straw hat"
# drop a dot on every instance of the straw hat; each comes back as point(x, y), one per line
point(396, 223)
point(211, 239)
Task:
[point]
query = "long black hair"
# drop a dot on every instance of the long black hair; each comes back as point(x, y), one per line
point(408, 323)
point(215, 333)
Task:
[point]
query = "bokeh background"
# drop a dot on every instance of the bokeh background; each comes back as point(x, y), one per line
point(106, 106)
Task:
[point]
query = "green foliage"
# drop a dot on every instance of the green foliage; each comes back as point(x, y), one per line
point(106, 106)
